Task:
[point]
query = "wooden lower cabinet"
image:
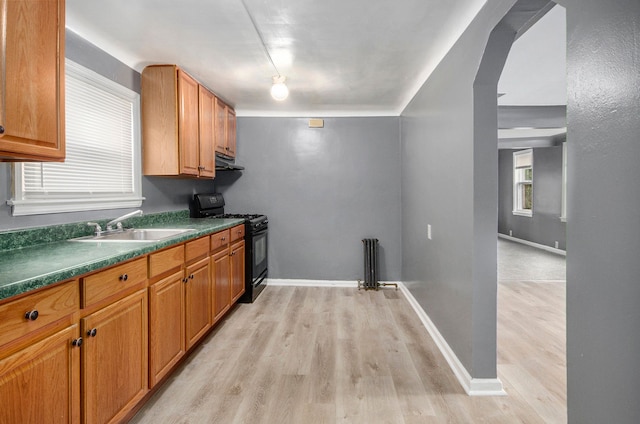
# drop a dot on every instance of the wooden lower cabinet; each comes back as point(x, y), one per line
point(41, 383)
point(197, 301)
point(237, 262)
point(166, 326)
point(220, 276)
point(114, 359)
point(128, 337)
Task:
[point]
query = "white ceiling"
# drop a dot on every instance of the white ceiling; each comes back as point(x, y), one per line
point(535, 71)
point(340, 57)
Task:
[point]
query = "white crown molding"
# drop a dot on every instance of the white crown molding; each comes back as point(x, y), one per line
point(249, 113)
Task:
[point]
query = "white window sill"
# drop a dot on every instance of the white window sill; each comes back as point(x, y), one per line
point(46, 206)
point(528, 214)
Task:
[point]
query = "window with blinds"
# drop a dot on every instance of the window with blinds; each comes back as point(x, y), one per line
point(102, 165)
point(523, 182)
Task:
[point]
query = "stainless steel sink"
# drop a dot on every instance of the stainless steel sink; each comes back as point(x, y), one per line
point(138, 235)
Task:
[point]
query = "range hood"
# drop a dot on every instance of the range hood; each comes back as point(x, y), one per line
point(223, 165)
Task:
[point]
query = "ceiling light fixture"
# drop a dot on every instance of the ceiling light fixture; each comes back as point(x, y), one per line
point(279, 90)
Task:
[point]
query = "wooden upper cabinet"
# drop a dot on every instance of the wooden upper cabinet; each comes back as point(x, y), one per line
point(207, 132)
point(231, 132)
point(181, 124)
point(221, 127)
point(32, 71)
point(225, 129)
point(188, 124)
point(170, 128)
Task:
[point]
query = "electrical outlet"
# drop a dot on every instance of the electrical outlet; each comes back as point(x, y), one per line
point(510, 233)
point(429, 231)
point(557, 245)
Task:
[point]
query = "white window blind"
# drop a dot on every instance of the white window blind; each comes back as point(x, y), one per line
point(101, 169)
point(523, 159)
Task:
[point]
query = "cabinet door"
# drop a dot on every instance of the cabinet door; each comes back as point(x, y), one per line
point(237, 261)
point(188, 123)
point(221, 127)
point(197, 301)
point(41, 383)
point(114, 359)
point(32, 93)
point(231, 132)
point(206, 121)
point(166, 326)
point(220, 274)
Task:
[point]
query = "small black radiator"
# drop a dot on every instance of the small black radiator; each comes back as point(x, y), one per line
point(371, 267)
point(370, 264)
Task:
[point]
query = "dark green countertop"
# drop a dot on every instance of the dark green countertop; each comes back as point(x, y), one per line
point(34, 258)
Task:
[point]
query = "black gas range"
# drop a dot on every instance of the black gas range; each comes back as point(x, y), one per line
point(256, 238)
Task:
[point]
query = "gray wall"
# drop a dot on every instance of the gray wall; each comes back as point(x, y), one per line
point(603, 229)
point(544, 227)
point(603, 225)
point(439, 187)
point(323, 190)
point(162, 194)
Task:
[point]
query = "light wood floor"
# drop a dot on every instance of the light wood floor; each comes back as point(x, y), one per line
point(339, 355)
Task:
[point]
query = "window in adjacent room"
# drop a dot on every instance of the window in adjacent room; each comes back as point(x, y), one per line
point(102, 165)
point(523, 182)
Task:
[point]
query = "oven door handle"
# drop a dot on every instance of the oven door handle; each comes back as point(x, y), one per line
point(259, 232)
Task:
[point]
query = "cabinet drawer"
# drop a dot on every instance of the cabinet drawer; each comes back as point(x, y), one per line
point(166, 260)
point(45, 306)
point(196, 249)
point(237, 232)
point(220, 239)
point(105, 283)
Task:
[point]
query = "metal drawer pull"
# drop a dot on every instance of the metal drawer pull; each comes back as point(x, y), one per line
point(92, 332)
point(77, 342)
point(31, 315)
point(124, 277)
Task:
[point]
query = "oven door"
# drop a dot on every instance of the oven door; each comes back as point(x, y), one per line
point(259, 260)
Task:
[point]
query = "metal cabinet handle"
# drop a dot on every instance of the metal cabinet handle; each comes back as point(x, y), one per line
point(191, 277)
point(223, 238)
point(31, 315)
point(92, 332)
point(77, 342)
point(1, 129)
point(124, 277)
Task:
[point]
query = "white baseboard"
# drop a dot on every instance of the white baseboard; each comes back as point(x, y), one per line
point(473, 386)
point(317, 283)
point(310, 283)
point(532, 244)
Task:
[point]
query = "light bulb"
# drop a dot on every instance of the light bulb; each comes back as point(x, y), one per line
point(279, 90)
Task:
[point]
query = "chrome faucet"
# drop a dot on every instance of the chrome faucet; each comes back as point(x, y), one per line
point(118, 220)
